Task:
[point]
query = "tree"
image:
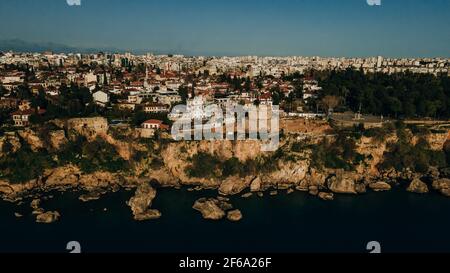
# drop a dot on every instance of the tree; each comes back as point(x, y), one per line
point(298, 89)
point(277, 95)
point(184, 93)
point(40, 100)
point(23, 92)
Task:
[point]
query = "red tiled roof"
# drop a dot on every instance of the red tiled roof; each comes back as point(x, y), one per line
point(157, 122)
point(153, 121)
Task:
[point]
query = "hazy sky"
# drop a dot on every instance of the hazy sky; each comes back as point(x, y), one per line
point(237, 27)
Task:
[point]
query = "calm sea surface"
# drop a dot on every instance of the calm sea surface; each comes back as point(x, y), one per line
point(400, 221)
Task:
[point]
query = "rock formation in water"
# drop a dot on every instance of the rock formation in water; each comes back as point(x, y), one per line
point(234, 215)
point(141, 202)
point(48, 217)
point(211, 208)
point(418, 186)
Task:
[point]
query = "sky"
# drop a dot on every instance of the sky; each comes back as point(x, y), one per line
point(348, 28)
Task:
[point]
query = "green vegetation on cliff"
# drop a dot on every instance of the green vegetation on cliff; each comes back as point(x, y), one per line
point(25, 164)
point(417, 157)
point(205, 165)
point(336, 154)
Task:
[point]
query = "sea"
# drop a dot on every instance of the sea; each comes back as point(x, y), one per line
point(296, 223)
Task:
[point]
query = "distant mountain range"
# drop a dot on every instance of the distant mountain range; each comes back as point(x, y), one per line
point(18, 45)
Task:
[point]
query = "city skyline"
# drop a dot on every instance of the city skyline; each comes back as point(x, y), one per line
point(348, 28)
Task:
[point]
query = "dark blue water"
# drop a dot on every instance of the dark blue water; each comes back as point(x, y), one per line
point(400, 221)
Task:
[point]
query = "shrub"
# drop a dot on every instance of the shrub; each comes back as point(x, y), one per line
point(25, 164)
point(100, 155)
point(340, 154)
point(233, 167)
point(419, 157)
point(203, 165)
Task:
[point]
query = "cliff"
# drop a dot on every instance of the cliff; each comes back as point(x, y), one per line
point(233, 166)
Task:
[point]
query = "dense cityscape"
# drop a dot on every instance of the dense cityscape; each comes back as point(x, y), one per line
point(51, 85)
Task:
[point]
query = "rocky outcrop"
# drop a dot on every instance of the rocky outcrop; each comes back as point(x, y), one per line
point(57, 139)
point(212, 209)
point(68, 176)
point(234, 215)
point(247, 195)
point(9, 143)
point(418, 186)
point(342, 182)
point(35, 204)
point(360, 188)
point(443, 186)
point(255, 186)
point(32, 139)
point(234, 185)
point(150, 214)
point(437, 140)
point(288, 173)
point(380, 186)
point(91, 196)
point(98, 180)
point(313, 190)
point(48, 217)
point(326, 196)
point(142, 200)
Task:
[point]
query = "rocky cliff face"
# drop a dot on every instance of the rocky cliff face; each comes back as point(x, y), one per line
point(176, 157)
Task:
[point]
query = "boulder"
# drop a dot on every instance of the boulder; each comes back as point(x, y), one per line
point(37, 211)
point(302, 187)
point(446, 192)
point(326, 196)
point(234, 215)
point(223, 199)
point(255, 185)
point(433, 172)
point(209, 208)
point(313, 190)
point(35, 204)
point(342, 183)
point(247, 195)
point(360, 188)
point(92, 196)
point(442, 185)
point(380, 186)
point(234, 185)
point(48, 217)
point(150, 214)
point(418, 186)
